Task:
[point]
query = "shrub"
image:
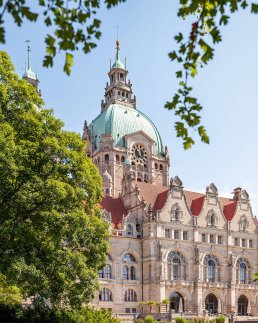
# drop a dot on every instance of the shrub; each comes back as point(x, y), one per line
point(149, 319)
point(220, 319)
point(180, 320)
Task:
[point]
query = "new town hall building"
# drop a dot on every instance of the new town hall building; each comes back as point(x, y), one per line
point(198, 250)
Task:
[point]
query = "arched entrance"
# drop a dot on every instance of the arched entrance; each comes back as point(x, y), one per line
point(242, 305)
point(211, 304)
point(177, 302)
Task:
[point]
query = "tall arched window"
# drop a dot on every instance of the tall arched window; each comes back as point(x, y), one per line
point(176, 266)
point(107, 272)
point(125, 272)
point(130, 295)
point(211, 269)
point(132, 273)
point(105, 295)
point(243, 271)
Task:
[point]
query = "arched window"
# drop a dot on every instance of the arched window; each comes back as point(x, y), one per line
point(243, 271)
point(176, 213)
point(160, 167)
point(123, 159)
point(211, 269)
point(125, 272)
point(145, 178)
point(211, 218)
point(176, 266)
point(107, 192)
point(107, 159)
point(156, 166)
point(107, 272)
point(242, 305)
point(109, 258)
point(101, 273)
point(129, 258)
point(133, 273)
point(105, 295)
point(117, 158)
point(130, 295)
point(129, 230)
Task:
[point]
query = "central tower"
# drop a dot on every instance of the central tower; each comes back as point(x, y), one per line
point(123, 140)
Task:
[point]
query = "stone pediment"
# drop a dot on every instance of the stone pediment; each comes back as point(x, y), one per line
point(139, 133)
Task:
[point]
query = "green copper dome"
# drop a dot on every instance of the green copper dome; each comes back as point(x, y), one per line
point(119, 121)
point(118, 64)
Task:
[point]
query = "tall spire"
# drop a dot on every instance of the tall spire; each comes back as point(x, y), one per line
point(28, 50)
point(29, 75)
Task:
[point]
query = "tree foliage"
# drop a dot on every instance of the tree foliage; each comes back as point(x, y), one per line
point(53, 239)
point(194, 51)
point(75, 26)
point(41, 313)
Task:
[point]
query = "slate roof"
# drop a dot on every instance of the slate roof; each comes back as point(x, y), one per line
point(157, 196)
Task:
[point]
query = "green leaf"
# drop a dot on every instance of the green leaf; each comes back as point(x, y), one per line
point(68, 63)
point(254, 8)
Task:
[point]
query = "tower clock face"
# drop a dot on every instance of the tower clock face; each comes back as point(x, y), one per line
point(139, 154)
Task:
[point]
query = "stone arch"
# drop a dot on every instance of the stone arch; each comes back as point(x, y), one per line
point(211, 303)
point(242, 305)
point(247, 294)
point(177, 302)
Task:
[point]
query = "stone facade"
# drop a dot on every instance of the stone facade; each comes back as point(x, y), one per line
point(198, 250)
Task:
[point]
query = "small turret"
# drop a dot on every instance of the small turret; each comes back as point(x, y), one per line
point(30, 76)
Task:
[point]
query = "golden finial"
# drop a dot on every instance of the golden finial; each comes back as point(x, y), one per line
point(117, 45)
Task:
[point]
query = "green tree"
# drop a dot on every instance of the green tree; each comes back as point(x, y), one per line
point(9, 295)
point(53, 239)
point(75, 26)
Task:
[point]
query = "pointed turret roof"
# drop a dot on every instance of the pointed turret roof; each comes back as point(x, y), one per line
point(118, 63)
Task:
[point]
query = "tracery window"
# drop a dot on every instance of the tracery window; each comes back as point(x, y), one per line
point(176, 266)
point(129, 257)
point(130, 295)
point(211, 272)
point(243, 271)
point(105, 295)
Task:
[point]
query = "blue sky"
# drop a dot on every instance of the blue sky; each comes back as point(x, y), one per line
point(227, 88)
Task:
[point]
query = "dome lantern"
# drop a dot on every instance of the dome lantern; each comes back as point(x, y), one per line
point(118, 89)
